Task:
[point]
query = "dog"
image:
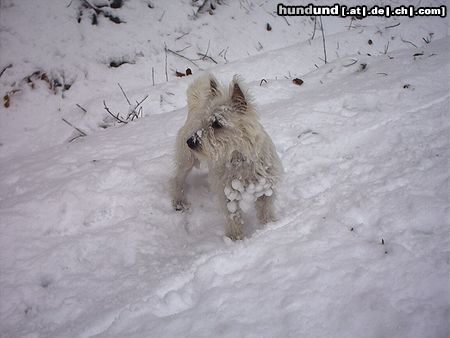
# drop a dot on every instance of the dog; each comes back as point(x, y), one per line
point(222, 130)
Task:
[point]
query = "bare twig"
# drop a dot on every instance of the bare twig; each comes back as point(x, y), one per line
point(83, 109)
point(224, 56)
point(153, 76)
point(351, 63)
point(123, 92)
point(207, 49)
point(286, 20)
point(429, 38)
point(351, 21)
point(181, 36)
point(314, 31)
point(386, 48)
point(116, 117)
point(162, 16)
point(323, 40)
point(206, 56)
point(417, 54)
point(183, 49)
point(397, 24)
point(165, 64)
point(82, 133)
point(5, 68)
point(406, 41)
point(261, 82)
point(135, 114)
point(182, 56)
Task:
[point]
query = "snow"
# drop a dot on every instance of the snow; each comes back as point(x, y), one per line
point(246, 193)
point(89, 243)
point(237, 185)
point(232, 206)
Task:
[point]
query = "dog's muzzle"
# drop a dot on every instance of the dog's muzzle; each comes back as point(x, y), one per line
point(193, 142)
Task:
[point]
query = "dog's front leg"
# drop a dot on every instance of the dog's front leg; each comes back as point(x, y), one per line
point(184, 166)
point(179, 201)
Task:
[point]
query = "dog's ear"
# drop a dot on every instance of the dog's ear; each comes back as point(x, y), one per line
point(214, 87)
point(238, 98)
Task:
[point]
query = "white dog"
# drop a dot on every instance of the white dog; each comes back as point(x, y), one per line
point(223, 130)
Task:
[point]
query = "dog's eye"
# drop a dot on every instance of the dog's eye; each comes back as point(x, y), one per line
point(216, 124)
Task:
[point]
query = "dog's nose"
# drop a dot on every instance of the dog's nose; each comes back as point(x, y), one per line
point(193, 142)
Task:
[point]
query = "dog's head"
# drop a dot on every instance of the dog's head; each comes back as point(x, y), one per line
point(228, 123)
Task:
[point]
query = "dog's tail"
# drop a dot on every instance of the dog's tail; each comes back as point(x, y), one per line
point(201, 91)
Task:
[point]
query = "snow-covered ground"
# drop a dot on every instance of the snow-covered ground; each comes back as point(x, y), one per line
point(89, 243)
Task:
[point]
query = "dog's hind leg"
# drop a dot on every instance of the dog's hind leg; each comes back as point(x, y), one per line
point(264, 209)
point(179, 201)
point(234, 225)
point(234, 221)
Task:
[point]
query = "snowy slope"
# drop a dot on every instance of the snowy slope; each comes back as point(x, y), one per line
point(89, 244)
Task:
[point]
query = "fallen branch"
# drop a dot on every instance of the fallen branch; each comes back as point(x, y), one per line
point(153, 76)
point(286, 20)
point(314, 31)
point(182, 49)
point(386, 48)
point(181, 56)
point(397, 24)
point(159, 20)
point(82, 133)
point(406, 41)
point(351, 21)
point(184, 34)
point(224, 56)
point(323, 40)
point(123, 92)
point(135, 114)
point(83, 109)
point(165, 63)
point(5, 68)
point(351, 64)
point(116, 117)
point(207, 56)
point(207, 49)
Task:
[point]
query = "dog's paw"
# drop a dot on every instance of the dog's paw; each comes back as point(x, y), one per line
point(235, 235)
point(180, 205)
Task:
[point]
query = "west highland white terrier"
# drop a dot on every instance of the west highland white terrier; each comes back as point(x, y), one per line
point(222, 129)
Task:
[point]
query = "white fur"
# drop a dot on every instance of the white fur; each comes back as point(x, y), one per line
point(243, 164)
